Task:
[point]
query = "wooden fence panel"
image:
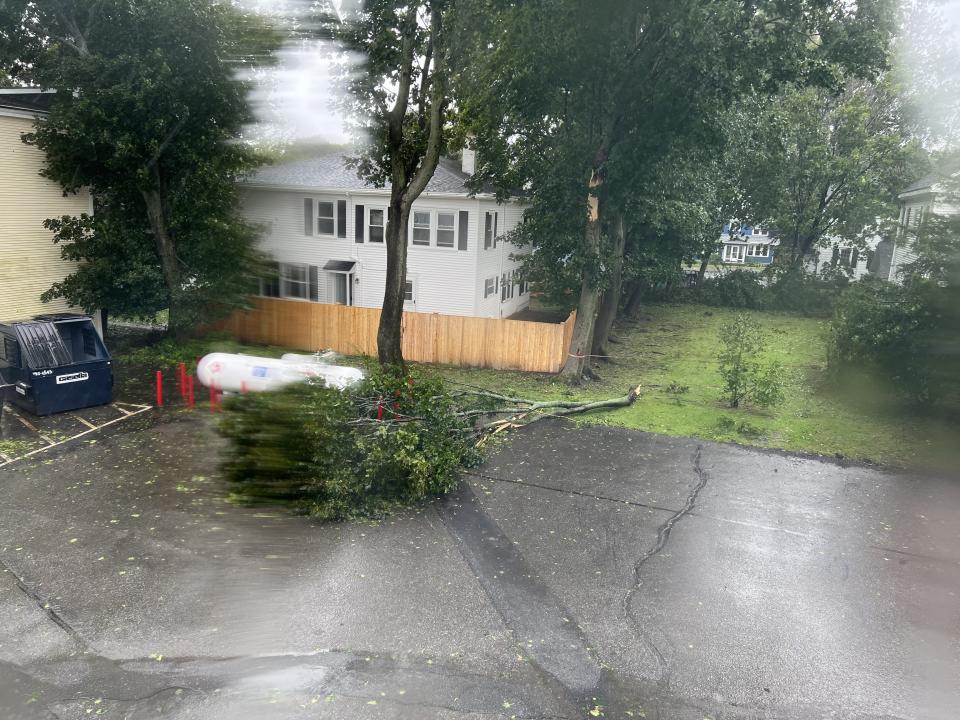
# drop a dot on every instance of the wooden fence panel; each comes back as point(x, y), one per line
point(427, 337)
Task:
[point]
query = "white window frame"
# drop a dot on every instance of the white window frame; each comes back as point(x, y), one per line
point(366, 230)
point(494, 226)
point(436, 231)
point(755, 251)
point(316, 216)
point(414, 227)
point(848, 262)
point(411, 304)
point(305, 283)
point(734, 253)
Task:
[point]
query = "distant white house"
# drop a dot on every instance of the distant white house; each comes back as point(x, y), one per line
point(837, 253)
point(917, 201)
point(325, 229)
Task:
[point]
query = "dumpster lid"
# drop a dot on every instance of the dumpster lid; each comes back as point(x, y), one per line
point(42, 345)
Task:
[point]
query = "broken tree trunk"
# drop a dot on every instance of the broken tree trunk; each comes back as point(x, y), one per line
point(611, 296)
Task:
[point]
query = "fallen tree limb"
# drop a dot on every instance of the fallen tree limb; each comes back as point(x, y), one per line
point(565, 408)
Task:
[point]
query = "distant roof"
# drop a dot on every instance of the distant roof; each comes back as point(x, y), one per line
point(26, 99)
point(330, 170)
point(927, 181)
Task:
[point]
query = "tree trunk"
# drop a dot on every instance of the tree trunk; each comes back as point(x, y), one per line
point(167, 251)
point(611, 297)
point(701, 273)
point(634, 299)
point(583, 328)
point(389, 333)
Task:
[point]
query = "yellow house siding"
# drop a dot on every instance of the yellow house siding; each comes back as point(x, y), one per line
point(29, 261)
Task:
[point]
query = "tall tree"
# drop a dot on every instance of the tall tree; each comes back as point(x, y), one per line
point(401, 95)
point(589, 89)
point(146, 115)
point(836, 161)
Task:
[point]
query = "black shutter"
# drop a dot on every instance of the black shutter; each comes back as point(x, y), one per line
point(308, 217)
point(835, 258)
point(341, 218)
point(496, 216)
point(855, 258)
point(358, 224)
point(314, 284)
point(464, 229)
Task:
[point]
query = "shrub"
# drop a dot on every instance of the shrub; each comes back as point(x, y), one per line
point(908, 333)
point(745, 377)
point(393, 439)
point(734, 289)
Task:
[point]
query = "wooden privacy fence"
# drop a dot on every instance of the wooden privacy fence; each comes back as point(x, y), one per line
point(427, 337)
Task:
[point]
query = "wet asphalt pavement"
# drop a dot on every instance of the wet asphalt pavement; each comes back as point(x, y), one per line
point(581, 572)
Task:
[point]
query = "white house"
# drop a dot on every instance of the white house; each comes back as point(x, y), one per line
point(325, 229)
point(917, 201)
point(841, 254)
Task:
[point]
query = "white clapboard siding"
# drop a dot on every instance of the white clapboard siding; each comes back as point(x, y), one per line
point(445, 280)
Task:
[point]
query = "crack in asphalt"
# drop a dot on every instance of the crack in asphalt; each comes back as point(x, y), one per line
point(663, 535)
point(47, 609)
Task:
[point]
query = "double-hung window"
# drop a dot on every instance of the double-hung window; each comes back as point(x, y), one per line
point(421, 227)
point(326, 218)
point(376, 225)
point(294, 282)
point(489, 287)
point(446, 229)
point(489, 230)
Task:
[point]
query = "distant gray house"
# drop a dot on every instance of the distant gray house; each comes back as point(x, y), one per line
point(325, 229)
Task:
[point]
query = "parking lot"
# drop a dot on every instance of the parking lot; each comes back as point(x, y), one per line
point(23, 435)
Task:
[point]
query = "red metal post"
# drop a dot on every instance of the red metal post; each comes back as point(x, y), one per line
point(190, 398)
point(159, 389)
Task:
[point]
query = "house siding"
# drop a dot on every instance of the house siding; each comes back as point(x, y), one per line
point(447, 281)
point(29, 261)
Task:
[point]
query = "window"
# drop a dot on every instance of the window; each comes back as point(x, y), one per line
point(488, 287)
point(446, 229)
point(758, 250)
point(326, 219)
point(506, 286)
point(408, 291)
point(733, 253)
point(845, 256)
point(421, 228)
point(270, 284)
point(376, 225)
point(522, 290)
point(490, 230)
point(294, 282)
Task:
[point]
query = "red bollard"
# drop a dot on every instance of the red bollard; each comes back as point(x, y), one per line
point(190, 399)
point(182, 379)
point(159, 389)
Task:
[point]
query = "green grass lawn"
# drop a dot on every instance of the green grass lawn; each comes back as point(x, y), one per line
point(679, 344)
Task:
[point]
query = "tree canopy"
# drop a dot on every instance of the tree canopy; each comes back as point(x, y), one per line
point(146, 115)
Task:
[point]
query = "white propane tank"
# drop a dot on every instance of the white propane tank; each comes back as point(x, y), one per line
point(247, 373)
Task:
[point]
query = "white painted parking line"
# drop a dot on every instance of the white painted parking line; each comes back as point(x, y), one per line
point(126, 414)
point(30, 426)
point(86, 422)
point(117, 407)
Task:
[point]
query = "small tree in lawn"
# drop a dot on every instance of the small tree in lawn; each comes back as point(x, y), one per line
point(745, 377)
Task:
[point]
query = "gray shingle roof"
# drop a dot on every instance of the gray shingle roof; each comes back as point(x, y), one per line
point(330, 171)
point(26, 99)
point(924, 182)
